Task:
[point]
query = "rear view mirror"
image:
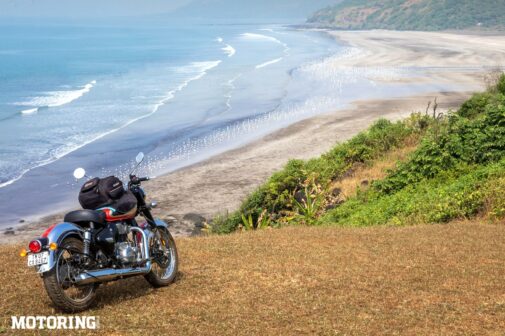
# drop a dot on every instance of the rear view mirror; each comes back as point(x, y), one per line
point(79, 173)
point(139, 158)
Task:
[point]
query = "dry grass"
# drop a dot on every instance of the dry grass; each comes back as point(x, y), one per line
point(439, 279)
point(376, 170)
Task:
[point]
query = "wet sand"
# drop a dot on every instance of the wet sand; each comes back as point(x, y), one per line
point(221, 183)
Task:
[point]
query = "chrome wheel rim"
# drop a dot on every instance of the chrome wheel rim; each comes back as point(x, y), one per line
point(164, 255)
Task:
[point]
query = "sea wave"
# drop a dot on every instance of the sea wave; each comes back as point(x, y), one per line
point(195, 70)
point(30, 111)
point(231, 87)
point(259, 37)
point(229, 50)
point(55, 98)
point(255, 36)
point(262, 65)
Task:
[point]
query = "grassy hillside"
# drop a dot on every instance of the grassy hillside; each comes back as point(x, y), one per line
point(422, 280)
point(429, 168)
point(412, 14)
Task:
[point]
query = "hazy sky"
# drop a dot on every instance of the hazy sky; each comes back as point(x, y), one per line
point(120, 8)
point(86, 8)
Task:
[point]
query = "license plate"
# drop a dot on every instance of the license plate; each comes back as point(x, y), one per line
point(38, 259)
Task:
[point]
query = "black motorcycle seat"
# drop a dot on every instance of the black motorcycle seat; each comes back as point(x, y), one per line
point(84, 217)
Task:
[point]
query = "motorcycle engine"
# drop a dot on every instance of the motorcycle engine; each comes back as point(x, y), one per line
point(126, 253)
point(125, 250)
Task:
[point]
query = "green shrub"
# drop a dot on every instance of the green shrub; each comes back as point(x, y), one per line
point(452, 195)
point(225, 223)
point(457, 171)
point(277, 193)
point(475, 105)
point(459, 141)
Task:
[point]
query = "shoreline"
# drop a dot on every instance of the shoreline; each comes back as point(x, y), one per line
point(220, 183)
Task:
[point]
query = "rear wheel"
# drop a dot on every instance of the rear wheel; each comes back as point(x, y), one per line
point(59, 281)
point(165, 259)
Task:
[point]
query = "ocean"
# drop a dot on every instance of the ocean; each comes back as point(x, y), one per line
point(94, 96)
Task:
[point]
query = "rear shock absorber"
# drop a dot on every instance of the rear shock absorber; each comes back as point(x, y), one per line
point(87, 246)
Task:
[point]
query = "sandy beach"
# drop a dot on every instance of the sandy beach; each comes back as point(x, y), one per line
point(222, 182)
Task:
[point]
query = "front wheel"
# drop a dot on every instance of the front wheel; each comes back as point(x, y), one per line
point(59, 281)
point(165, 259)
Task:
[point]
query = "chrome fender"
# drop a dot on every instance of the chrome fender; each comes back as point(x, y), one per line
point(57, 235)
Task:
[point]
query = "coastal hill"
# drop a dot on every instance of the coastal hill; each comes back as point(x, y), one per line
point(426, 15)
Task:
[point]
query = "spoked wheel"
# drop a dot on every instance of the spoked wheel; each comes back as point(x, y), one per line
point(165, 259)
point(58, 282)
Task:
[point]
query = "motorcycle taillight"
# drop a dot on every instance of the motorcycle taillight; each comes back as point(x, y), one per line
point(35, 246)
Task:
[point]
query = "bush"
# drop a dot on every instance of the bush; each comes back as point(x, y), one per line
point(457, 171)
point(461, 140)
point(276, 195)
point(452, 195)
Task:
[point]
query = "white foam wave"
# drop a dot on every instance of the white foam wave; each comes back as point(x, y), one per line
point(231, 87)
point(277, 60)
point(30, 111)
point(4, 184)
point(200, 68)
point(254, 36)
point(259, 37)
point(57, 98)
point(229, 50)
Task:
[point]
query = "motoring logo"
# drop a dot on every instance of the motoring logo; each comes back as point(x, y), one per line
point(54, 322)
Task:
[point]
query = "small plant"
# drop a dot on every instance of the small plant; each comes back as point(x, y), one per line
point(263, 222)
point(312, 203)
point(247, 223)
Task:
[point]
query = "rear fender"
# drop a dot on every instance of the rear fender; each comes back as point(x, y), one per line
point(57, 235)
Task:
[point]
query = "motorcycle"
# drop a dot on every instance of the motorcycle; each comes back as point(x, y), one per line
point(92, 247)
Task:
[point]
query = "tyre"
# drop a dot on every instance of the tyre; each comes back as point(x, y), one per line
point(165, 259)
point(64, 294)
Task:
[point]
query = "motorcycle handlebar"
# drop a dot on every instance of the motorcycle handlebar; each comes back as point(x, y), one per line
point(137, 180)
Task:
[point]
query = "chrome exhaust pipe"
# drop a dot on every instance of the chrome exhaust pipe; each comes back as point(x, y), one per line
point(110, 274)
